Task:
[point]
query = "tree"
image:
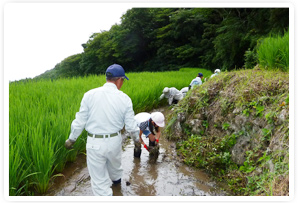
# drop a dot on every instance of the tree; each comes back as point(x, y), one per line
point(159, 39)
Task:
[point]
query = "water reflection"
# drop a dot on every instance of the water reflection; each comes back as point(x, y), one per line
point(144, 176)
point(161, 175)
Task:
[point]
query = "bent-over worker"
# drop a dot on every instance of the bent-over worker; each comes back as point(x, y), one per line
point(184, 91)
point(149, 125)
point(216, 72)
point(196, 81)
point(172, 94)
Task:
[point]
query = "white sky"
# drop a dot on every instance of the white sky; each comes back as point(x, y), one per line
point(37, 36)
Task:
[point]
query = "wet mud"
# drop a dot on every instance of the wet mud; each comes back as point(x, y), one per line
point(163, 175)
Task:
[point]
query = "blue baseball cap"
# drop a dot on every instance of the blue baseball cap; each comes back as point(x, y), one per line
point(200, 74)
point(116, 70)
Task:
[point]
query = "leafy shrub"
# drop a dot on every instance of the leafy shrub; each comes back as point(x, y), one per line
point(250, 58)
point(273, 52)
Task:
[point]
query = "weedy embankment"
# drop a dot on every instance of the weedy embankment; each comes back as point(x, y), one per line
point(236, 127)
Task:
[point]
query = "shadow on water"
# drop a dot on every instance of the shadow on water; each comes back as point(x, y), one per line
point(146, 176)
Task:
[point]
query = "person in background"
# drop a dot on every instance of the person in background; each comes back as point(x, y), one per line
point(149, 125)
point(172, 94)
point(103, 113)
point(184, 90)
point(216, 72)
point(196, 81)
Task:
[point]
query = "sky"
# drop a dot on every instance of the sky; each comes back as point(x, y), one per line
point(37, 36)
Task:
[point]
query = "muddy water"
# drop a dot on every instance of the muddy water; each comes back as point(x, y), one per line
point(145, 176)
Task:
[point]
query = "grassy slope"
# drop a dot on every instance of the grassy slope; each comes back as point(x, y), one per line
point(251, 105)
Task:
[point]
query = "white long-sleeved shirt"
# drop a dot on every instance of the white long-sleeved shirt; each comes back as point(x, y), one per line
point(196, 81)
point(104, 110)
point(142, 117)
point(173, 93)
point(184, 90)
point(213, 75)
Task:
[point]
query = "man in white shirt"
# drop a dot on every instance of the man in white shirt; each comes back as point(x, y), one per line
point(103, 113)
point(172, 94)
point(196, 81)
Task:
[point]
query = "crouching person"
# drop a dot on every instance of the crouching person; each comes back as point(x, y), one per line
point(184, 91)
point(149, 125)
point(172, 94)
point(196, 81)
point(216, 72)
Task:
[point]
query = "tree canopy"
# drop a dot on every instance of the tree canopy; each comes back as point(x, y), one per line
point(159, 39)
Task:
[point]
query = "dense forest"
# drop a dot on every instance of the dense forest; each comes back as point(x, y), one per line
point(160, 39)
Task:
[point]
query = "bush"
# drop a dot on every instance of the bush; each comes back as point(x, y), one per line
point(250, 58)
point(273, 52)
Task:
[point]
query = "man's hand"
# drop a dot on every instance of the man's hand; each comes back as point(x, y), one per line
point(69, 143)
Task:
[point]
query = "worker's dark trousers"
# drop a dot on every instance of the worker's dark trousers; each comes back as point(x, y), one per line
point(154, 151)
point(137, 150)
point(175, 101)
point(152, 143)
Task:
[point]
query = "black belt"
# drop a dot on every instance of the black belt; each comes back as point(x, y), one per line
point(103, 136)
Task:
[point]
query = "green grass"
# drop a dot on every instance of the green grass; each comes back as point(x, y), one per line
point(41, 112)
point(246, 96)
point(273, 52)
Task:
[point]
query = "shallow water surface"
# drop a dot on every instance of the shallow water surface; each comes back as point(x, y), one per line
point(145, 176)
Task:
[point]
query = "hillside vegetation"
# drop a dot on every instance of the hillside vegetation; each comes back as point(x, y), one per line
point(236, 127)
point(163, 39)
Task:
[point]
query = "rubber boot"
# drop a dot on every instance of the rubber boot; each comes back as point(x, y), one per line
point(115, 182)
point(154, 151)
point(137, 150)
point(116, 187)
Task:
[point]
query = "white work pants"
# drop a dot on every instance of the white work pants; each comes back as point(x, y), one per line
point(135, 135)
point(104, 163)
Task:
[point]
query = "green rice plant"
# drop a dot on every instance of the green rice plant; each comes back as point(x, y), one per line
point(145, 88)
point(43, 158)
point(273, 52)
point(40, 116)
point(17, 172)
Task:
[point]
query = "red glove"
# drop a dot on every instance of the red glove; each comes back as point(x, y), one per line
point(157, 140)
point(145, 146)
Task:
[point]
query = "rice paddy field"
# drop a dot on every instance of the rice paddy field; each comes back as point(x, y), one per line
point(41, 112)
